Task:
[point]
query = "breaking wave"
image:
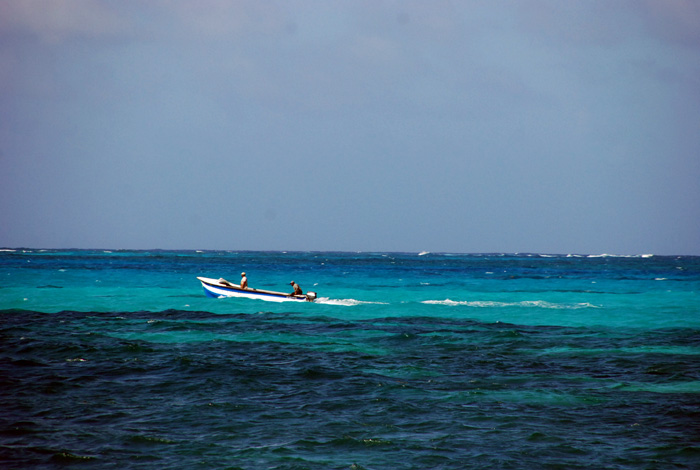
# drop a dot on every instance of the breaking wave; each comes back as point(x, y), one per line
point(606, 255)
point(525, 303)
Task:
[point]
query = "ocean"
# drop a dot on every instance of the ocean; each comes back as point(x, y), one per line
point(117, 359)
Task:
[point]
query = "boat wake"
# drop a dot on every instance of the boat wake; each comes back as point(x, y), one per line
point(345, 302)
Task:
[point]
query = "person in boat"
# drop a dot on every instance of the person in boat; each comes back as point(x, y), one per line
point(244, 281)
point(297, 289)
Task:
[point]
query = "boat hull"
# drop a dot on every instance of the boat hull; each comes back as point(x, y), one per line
point(219, 288)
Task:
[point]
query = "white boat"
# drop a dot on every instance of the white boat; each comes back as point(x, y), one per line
point(222, 288)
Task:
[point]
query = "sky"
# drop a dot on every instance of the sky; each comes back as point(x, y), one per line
point(380, 125)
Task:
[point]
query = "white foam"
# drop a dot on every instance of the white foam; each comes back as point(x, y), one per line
point(606, 255)
point(346, 302)
point(525, 303)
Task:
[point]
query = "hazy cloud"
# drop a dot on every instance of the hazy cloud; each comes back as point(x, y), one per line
point(675, 21)
point(54, 21)
point(535, 125)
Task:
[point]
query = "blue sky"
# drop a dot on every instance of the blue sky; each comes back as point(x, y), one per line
point(471, 126)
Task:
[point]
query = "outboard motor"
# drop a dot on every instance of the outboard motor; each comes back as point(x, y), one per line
point(310, 296)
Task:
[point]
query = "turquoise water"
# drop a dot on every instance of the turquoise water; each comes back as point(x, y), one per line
point(117, 358)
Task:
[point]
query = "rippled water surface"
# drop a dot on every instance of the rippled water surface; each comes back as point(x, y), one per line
point(440, 361)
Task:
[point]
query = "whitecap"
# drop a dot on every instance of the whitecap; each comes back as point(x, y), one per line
point(606, 255)
point(446, 302)
point(524, 303)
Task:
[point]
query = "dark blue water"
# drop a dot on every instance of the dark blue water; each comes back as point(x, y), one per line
point(436, 361)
